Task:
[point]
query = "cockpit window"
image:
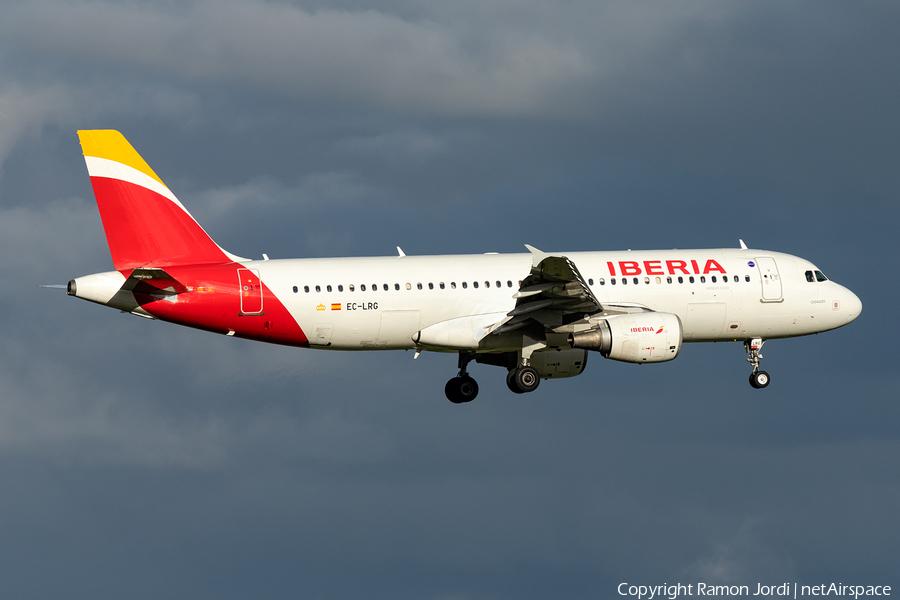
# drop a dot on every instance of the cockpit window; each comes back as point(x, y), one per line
point(820, 276)
point(809, 277)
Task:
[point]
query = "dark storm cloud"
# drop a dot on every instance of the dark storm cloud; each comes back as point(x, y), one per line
point(326, 54)
point(142, 459)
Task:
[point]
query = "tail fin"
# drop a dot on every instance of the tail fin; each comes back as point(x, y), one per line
point(145, 224)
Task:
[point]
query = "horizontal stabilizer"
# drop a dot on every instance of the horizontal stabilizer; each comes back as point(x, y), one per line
point(154, 282)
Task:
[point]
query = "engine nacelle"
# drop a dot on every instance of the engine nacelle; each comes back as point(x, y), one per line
point(636, 338)
point(559, 363)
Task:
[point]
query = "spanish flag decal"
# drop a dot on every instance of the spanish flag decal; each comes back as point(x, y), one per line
point(335, 306)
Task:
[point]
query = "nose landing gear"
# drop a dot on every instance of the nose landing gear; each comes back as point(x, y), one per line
point(758, 379)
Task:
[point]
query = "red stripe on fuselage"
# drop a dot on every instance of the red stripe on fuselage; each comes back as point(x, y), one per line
point(213, 303)
point(144, 228)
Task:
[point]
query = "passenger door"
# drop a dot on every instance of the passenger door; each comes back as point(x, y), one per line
point(769, 279)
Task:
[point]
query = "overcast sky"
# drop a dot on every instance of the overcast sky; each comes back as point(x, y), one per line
point(142, 460)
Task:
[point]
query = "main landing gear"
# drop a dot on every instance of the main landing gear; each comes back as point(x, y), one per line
point(462, 388)
point(758, 379)
point(522, 379)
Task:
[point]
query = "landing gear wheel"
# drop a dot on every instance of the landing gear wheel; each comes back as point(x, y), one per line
point(511, 382)
point(759, 379)
point(461, 389)
point(523, 379)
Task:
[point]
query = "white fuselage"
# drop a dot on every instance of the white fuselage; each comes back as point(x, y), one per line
point(719, 295)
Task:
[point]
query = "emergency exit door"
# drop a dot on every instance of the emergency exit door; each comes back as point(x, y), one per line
point(251, 292)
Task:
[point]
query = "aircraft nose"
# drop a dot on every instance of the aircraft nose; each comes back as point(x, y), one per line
point(851, 305)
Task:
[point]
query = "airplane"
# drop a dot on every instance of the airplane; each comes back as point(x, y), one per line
point(537, 314)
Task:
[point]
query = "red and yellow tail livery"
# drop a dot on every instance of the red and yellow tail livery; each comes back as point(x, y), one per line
point(145, 224)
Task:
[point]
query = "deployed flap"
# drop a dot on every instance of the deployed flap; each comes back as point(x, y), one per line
point(553, 295)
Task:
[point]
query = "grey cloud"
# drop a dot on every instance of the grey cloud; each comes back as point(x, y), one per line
point(24, 110)
point(403, 146)
point(337, 190)
point(742, 558)
point(366, 55)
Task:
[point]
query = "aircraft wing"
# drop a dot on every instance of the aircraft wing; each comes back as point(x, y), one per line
point(553, 295)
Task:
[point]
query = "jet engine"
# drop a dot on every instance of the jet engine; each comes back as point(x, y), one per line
point(647, 337)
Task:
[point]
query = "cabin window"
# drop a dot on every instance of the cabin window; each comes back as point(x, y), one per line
point(590, 281)
point(498, 284)
point(691, 279)
point(475, 284)
point(508, 283)
point(611, 281)
point(419, 285)
point(374, 287)
point(408, 286)
point(747, 278)
point(601, 281)
point(385, 287)
point(658, 281)
point(441, 284)
point(624, 281)
point(396, 286)
point(318, 288)
point(465, 285)
point(452, 285)
point(702, 279)
point(362, 287)
point(430, 286)
point(713, 278)
point(647, 280)
point(351, 287)
point(295, 289)
point(635, 281)
point(306, 288)
point(669, 279)
point(487, 284)
point(340, 288)
point(680, 279)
